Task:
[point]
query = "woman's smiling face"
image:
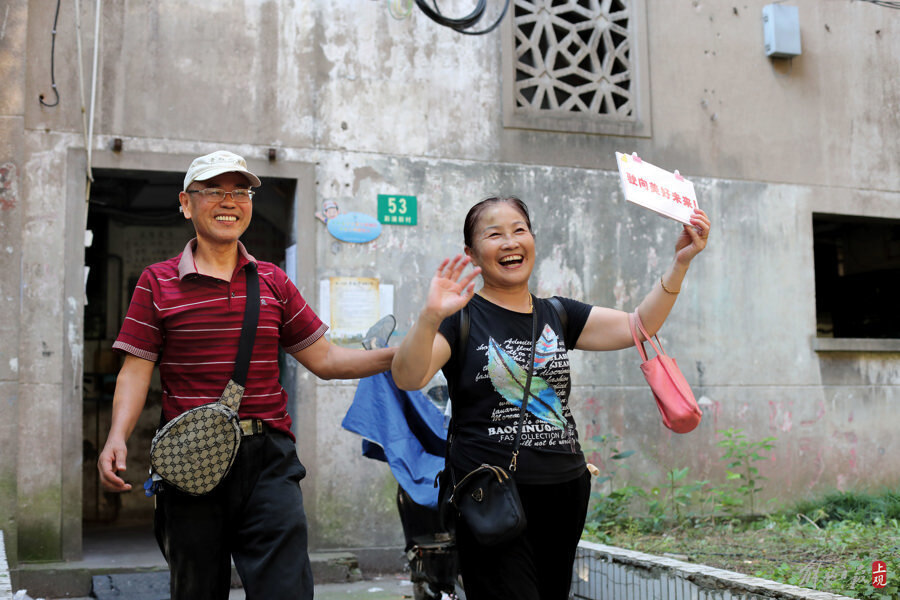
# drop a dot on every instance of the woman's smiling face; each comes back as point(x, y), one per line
point(502, 245)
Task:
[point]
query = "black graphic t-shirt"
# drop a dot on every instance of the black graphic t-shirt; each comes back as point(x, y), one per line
point(486, 390)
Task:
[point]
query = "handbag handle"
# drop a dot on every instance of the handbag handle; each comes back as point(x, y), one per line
point(499, 474)
point(635, 321)
point(515, 452)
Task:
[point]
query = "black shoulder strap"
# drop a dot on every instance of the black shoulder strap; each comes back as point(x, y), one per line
point(248, 333)
point(527, 392)
point(561, 311)
point(463, 338)
point(248, 329)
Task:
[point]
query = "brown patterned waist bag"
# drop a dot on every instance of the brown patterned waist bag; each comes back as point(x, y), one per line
point(194, 451)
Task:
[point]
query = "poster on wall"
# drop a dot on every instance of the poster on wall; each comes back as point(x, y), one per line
point(351, 305)
point(290, 263)
point(661, 191)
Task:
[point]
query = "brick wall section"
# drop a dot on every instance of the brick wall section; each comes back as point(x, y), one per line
point(609, 572)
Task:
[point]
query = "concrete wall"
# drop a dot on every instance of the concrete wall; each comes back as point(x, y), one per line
point(12, 159)
point(356, 104)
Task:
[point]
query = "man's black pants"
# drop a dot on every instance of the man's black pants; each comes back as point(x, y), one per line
point(255, 516)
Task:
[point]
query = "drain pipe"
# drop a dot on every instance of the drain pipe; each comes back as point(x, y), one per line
point(90, 134)
point(81, 71)
point(84, 125)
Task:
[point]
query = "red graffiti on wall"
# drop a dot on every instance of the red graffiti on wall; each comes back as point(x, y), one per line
point(8, 190)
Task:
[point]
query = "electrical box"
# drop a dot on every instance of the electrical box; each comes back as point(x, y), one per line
point(781, 30)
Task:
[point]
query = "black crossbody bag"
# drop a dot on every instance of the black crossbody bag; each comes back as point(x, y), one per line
point(194, 451)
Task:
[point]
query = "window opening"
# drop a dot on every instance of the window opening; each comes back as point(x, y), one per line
point(574, 57)
point(857, 266)
point(577, 66)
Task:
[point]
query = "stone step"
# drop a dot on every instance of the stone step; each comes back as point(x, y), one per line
point(81, 579)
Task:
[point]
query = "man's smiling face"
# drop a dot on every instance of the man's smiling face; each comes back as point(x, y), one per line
point(217, 222)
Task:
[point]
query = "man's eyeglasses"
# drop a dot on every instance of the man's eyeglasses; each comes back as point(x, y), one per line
point(218, 194)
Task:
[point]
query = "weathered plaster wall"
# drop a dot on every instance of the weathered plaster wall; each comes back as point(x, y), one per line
point(208, 72)
point(721, 109)
point(377, 105)
point(13, 36)
point(42, 393)
point(344, 75)
point(10, 304)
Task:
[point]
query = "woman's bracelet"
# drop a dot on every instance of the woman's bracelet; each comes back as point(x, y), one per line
point(667, 290)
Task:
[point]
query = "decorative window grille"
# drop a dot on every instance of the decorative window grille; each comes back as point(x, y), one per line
point(576, 65)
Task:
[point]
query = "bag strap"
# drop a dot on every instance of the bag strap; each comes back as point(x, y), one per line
point(463, 338)
point(561, 311)
point(534, 327)
point(234, 391)
point(248, 329)
point(636, 324)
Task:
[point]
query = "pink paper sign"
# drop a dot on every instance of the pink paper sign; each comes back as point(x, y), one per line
point(668, 194)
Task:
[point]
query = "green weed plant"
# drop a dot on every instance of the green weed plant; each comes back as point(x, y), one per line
point(742, 454)
point(827, 544)
point(610, 509)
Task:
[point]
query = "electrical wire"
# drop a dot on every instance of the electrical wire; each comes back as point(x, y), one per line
point(884, 3)
point(462, 24)
point(52, 60)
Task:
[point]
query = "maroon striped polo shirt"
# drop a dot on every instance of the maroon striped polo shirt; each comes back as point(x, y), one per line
point(191, 323)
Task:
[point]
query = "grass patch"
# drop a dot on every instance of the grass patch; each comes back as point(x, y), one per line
point(827, 544)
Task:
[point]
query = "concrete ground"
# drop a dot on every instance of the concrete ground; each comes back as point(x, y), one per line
point(126, 563)
point(388, 587)
point(381, 588)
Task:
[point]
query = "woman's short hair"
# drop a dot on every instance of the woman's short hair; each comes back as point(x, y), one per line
point(475, 213)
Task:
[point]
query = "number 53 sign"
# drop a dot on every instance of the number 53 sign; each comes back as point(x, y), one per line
point(397, 210)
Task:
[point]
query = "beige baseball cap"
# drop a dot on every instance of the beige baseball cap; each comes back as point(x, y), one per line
point(208, 166)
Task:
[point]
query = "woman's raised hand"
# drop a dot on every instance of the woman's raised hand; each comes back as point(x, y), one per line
point(450, 289)
point(693, 237)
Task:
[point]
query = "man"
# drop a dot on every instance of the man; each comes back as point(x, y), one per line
point(186, 315)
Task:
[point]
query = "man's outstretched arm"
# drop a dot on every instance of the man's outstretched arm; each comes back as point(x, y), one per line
point(330, 361)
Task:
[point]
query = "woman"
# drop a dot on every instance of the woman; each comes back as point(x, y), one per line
point(552, 478)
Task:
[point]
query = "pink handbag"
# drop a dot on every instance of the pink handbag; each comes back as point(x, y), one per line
point(673, 395)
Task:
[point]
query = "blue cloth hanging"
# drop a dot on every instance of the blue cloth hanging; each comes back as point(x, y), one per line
point(404, 429)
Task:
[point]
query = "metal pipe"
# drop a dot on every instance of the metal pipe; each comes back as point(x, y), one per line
point(93, 88)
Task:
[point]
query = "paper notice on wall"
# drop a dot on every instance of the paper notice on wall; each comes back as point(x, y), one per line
point(663, 192)
point(351, 305)
point(290, 262)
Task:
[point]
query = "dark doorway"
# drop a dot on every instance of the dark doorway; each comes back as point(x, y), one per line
point(134, 219)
